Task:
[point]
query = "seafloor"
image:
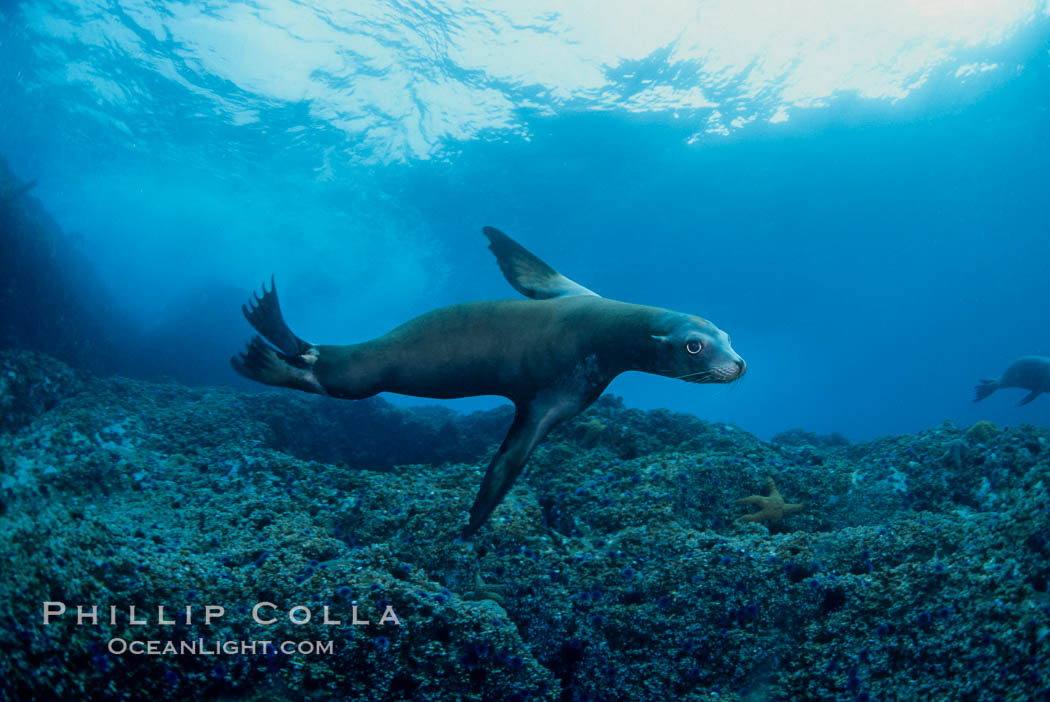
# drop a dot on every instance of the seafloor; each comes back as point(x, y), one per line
point(618, 570)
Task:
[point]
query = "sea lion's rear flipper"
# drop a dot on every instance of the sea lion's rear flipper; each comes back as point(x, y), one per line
point(288, 365)
point(531, 424)
point(984, 389)
point(528, 274)
point(1030, 396)
point(265, 315)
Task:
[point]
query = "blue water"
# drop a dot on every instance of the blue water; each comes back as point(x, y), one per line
point(862, 206)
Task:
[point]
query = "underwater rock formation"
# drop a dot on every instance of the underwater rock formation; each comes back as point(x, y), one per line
point(619, 570)
point(49, 299)
point(52, 301)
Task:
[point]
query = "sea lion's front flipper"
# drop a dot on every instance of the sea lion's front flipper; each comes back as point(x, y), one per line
point(1030, 396)
point(531, 424)
point(528, 274)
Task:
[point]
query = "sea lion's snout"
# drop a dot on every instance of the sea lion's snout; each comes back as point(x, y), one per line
point(739, 367)
point(730, 370)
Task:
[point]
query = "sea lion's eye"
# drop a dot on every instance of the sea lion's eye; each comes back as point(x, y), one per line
point(694, 347)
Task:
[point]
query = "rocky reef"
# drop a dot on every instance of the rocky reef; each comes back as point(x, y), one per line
point(53, 301)
point(619, 569)
point(50, 299)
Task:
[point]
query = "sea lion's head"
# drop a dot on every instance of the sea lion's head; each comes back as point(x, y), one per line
point(693, 349)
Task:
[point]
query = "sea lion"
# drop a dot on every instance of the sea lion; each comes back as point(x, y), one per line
point(1028, 372)
point(551, 355)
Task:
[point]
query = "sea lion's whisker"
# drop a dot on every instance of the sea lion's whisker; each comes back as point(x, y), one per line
point(693, 377)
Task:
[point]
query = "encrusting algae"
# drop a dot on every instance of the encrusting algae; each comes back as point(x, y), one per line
point(625, 571)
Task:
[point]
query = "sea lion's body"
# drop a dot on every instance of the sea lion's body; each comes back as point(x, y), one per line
point(1028, 373)
point(513, 348)
point(552, 356)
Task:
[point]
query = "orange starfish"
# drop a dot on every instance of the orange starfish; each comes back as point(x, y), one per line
point(772, 508)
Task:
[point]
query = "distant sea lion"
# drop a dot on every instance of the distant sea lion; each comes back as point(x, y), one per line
point(1028, 372)
point(552, 356)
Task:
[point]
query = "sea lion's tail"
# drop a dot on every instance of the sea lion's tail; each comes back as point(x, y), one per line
point(984, 389)
point(288, 365)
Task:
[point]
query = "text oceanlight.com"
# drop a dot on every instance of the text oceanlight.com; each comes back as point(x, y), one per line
point(200, 647)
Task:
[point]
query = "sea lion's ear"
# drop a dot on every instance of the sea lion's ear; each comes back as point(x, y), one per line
point(658, 337)
point(528, 274)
